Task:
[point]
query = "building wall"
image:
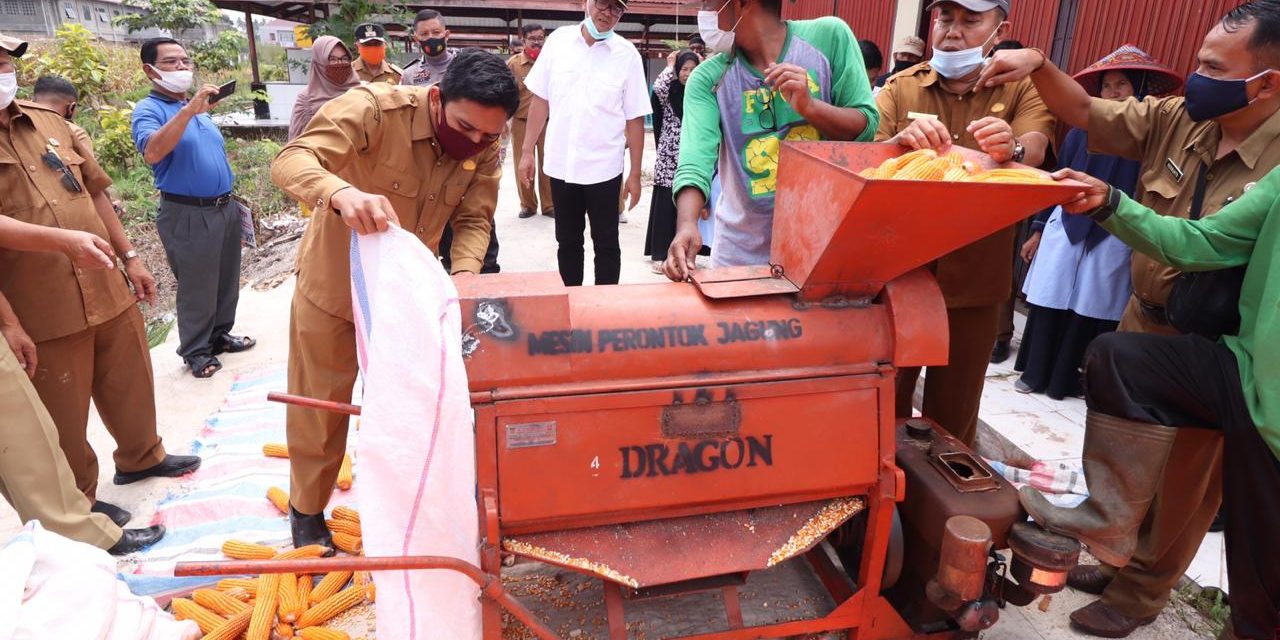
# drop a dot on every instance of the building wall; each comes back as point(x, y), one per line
point(870, 19)
point(40, 18)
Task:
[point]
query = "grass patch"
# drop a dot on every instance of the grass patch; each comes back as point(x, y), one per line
point(1210, 602)
point(158, 330)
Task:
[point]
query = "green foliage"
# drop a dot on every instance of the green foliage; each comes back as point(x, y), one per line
point(113, 143)
point(76, 57)
point(251, 161)
point(273, 63)
point(222, 54)
point(174, 16)
point(342, 21)
point(158, 330)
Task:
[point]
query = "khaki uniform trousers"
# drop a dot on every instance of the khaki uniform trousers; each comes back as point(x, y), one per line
point(322, 365)
point(109, 363)
point(1186, 502)
point(529, 198)
point(34, 476)
point(953, 394)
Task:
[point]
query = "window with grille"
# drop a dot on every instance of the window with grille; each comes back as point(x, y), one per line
point(19, 7)
point(69, 11)
point(86, 12)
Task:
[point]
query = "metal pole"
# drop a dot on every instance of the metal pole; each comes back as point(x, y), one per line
point(312, 403)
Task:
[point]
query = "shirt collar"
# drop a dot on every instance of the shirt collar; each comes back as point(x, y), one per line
point(162, 97)
point(1260, 140)
point(931, 77)
point(424, 118)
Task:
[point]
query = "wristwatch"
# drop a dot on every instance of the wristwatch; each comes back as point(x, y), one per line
point(1019, 150)
point(129, 255)
point(1107, 208)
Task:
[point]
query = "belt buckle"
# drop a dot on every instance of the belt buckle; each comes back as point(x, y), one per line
point(222, 200)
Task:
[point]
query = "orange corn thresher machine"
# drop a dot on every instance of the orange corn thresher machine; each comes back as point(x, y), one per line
point(678, 436)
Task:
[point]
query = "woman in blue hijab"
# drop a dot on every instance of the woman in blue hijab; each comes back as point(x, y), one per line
point(1079, 280)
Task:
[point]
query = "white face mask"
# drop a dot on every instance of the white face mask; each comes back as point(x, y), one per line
point(958, 64)
point(8, 89)
point(717, 41)
point(175, 81)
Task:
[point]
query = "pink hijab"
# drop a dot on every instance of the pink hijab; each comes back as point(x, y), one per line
point(320, 88)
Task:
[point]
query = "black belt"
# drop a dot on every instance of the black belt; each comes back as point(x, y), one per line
point(1154, 312)
point(197, 202)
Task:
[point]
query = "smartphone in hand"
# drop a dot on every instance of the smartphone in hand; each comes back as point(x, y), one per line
point(223, 91)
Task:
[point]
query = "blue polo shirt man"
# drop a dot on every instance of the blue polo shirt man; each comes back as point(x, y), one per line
point(198, 221)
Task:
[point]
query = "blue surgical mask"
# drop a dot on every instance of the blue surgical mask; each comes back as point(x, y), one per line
point(596, 34)
point(1209, 98)
point(953, 65)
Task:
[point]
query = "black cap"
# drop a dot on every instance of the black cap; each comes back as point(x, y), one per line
point(370, 31)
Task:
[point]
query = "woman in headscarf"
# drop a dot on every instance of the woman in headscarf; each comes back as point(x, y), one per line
point(668, 93)
point(331, 76)
point(1079, 280)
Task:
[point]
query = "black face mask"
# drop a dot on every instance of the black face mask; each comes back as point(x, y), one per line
point(902, 65)
point(434, 46)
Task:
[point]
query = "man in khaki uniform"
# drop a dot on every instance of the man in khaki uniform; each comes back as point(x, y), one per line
point(1231, 144)
point(534, 36)
point(934, 105)
point(417, 157)
point(85, 323)
point(371, 64)
point(34, 476)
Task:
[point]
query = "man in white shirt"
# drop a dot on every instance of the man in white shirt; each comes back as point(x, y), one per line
point(593, 82)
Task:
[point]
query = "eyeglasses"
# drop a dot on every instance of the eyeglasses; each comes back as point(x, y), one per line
point(767, 118)
point(535, 40)
point(176, 62)
point(68, 179)
point(612, 7)
point(339, 59)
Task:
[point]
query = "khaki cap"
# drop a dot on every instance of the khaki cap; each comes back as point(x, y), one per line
point(910, 44)
point(15, 46)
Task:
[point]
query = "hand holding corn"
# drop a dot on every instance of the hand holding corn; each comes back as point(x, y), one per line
point(927, 164)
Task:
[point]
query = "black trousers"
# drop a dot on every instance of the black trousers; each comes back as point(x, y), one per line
point(490, 254)
point(575, 203)
point(203, 248)
point(1188, 381)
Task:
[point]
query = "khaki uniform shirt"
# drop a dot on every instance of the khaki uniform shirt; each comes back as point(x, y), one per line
point(386, 72)
point(520, 66)
point(380, 139)
point(981, 273)
point(52, 297)
point(1158, 133)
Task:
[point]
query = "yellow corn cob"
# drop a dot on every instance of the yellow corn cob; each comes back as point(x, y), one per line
point(309, 551)
point(218, 602)
point(953, 159)
point(264, 610)
point(906, 171)
point(869, 172)
point(921, 170)
point(344, 526)
point(184, 609)
point(371, 591)
point(330, 584)
point(331, 606)
point(284, 631)
point(275, 450)
point(248, 584)
point(361, 578)
point(288, 605)
point(247, 550)
point(906, 159)
point(239, 593)
point(344, 472)
point(279, 498)
point(353, 545)
point(346, 513)
point(957, 174)
point(305, 584)
point(321, 633)
point(233, 628)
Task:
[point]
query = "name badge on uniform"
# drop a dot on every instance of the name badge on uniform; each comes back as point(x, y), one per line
point(915, 115)
point(1174, 169)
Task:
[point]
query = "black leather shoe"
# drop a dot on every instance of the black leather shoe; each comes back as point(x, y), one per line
point(550, 213)
point(172, 467)
point(117, 515)
point(132, 540)
point(1000, 353)
point(526, 213)
point(309, 530)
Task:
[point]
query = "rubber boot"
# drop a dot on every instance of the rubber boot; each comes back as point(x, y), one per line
point(1123, 463)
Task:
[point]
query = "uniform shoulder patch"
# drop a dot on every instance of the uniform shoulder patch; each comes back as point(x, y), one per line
point(393, 96)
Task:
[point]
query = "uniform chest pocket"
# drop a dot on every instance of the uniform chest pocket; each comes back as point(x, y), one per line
point(454, 192)
point(75, 165)
point(19, 193)
point(605, 91)
point(1161, 189)
point(401, 187)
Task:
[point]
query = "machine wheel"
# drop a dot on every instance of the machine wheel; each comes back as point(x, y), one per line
point(848, 542)
point(893, 559)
